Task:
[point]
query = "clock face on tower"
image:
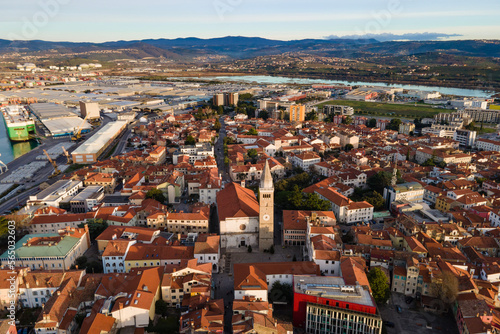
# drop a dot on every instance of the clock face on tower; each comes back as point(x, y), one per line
point(266, 217)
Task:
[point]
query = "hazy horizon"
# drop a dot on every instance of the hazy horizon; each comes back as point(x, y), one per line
point(98, 21)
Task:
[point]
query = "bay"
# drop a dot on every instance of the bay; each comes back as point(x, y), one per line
point(267, 79)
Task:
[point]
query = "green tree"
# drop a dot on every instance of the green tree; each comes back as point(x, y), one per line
point(315, 203)
point(375, 199)
point(96, 227)
point(161, 307)
point(81, 262)
point(429, 162)
point(312, 116)
point(281, 292)
point(94, 267)
point(4, 226)
point(217, 125)
point(347, 120)
point(252, 132)
point(252, 153)
point(264, 114)
point(480, 180)
point(372, 123)
point(190, 140)
point(156, 194)
point(245, 96)
point(394, 124)
point(471, 126)
point(251, 111)
point(379, 285)
point(379, 181)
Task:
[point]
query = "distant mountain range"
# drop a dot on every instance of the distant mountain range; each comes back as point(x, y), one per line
point(248, 47)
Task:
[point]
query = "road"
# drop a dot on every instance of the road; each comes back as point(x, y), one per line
point(122, 143)
point(219, 152)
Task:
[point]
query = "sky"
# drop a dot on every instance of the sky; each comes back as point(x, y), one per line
point(111, 20)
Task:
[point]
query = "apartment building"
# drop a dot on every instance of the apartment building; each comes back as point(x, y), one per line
point(297, 112)
point(199, 151)
point(330, 305)
point(412, 192)
point(488, 145)
point(255, 280)
point(50, 250)
point(185, 280)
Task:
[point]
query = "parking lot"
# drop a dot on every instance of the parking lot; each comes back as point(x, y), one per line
point(413, 319)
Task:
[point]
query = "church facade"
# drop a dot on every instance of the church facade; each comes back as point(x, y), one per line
point(244, 221)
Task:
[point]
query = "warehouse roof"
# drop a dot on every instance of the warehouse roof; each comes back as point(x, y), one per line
point(46, 111)
point(100, 138)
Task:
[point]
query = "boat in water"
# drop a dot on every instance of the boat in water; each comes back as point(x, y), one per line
point(20, 125)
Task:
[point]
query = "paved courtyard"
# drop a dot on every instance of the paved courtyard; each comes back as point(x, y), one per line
point(413, 319)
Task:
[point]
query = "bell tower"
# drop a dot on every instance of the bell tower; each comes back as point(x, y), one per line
point(266, 209)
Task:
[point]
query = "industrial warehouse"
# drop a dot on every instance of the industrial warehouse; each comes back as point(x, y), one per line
point(93, 147)
point(57, 119)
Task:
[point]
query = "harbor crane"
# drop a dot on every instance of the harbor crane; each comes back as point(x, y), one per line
point(70, 160)
point(53, 163)
point(77, 134)
point(3, 167)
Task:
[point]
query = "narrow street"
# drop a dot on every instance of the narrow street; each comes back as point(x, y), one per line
point(219, 152)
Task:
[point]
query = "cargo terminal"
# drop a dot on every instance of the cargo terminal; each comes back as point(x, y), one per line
point(58, 120)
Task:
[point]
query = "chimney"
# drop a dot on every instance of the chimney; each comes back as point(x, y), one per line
point(58, 292)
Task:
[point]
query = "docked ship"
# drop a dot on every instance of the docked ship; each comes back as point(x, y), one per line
point(20, 126)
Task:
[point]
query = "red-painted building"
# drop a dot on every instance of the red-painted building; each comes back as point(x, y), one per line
point(325, 304)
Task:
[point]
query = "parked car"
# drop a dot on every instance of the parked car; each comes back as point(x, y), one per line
point(389, 324)
point(409, 300)
point(399, 309)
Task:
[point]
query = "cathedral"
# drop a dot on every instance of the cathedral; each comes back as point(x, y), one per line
point(244, 221)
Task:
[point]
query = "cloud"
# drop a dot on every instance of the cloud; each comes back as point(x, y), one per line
point(425, 36)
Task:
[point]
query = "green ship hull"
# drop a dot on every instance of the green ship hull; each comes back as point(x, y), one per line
point(21, 132)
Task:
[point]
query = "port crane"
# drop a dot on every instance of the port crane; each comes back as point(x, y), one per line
point(77, 135)
point(56, 169)
point(70, 160)
point(3, 167)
